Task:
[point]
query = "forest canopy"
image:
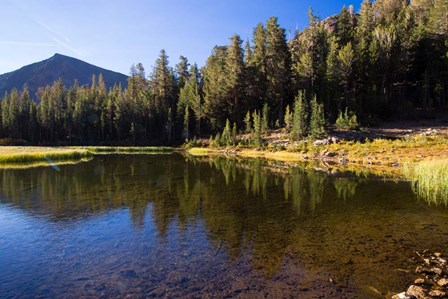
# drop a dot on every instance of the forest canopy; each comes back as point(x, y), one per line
point(388, 61)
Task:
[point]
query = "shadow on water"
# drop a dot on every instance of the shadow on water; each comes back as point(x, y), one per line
point(175, 226)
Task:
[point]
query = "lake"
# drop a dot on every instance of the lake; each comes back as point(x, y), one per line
point(171, 226)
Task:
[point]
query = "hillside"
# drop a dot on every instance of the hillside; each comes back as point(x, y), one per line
point(58, 66)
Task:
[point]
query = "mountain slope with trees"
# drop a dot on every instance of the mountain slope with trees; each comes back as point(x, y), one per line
point(46, 72)
point(388, 61)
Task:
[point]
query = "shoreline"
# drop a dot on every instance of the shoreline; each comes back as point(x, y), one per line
point(379, 157)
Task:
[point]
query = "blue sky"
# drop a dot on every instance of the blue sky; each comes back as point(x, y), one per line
point(115, 34)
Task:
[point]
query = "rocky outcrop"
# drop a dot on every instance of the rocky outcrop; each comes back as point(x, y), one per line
point(433, 280)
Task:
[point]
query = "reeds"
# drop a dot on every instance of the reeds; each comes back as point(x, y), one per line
point(199, 151)
point(21, 155)
point(430, 180)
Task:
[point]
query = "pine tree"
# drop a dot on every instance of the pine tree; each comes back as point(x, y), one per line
point(190, 96)
point(278, 68)
point(258, 64)
point(317, 121)
point(248, 56)
point(300, 117)
point(162, 84)
point(234, 133)
point(226, 136)
point(182, 73)
point(256, 135)
point(288, 118)
point(345, 26)
point(311, 55)
point(439, 18)
point(235, 76)
point(163, 95)
point(216, 108)
point(247, 123)
point(346, 60)
point(265, 119)
point(187, 123)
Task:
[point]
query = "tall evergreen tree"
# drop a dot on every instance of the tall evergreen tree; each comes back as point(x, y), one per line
point(278, 68)
point(256, 86)
point(182, 73)
point(300, 124)
point(235, 77)
point(317, 120)
point(215, 88)
point(163, 94)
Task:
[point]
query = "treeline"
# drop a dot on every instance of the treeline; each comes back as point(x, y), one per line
point(388, 61)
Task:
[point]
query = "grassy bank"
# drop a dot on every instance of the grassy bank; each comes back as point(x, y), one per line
point(430, 180)
point(380, 156)
point(21, 155)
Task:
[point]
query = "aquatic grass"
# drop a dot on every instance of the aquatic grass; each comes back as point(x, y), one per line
point(429, 179)
point(198, 151)
point(21, 155)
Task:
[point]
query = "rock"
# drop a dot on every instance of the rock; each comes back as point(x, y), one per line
point(437, 254)
point(437, 293)
point(321, 142)
point(415, 291)
point(437, 271)
point(443, 282)
point(419, 281)
point(400, 296)
point(334, 139)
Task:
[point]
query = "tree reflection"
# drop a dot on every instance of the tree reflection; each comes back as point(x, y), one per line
point(245, 205)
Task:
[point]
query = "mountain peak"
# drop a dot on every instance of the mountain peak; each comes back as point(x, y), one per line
point(58, 66)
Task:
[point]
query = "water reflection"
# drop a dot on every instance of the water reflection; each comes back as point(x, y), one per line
point(228, 222)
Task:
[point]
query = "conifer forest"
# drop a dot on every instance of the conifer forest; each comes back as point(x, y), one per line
point(387, 61)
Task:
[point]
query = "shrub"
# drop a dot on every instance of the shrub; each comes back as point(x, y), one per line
point(347, 120)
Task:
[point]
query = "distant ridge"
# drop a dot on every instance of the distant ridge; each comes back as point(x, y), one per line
point(58, 66)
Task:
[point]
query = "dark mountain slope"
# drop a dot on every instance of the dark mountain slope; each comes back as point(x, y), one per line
point(59, 66)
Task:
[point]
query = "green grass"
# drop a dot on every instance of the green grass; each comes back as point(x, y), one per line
point(17, 154)
point(430, 180)
point(199, 151)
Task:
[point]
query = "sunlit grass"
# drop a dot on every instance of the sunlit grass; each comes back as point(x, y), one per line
point(430, 180)
point(21, 155)
point(199, 151)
